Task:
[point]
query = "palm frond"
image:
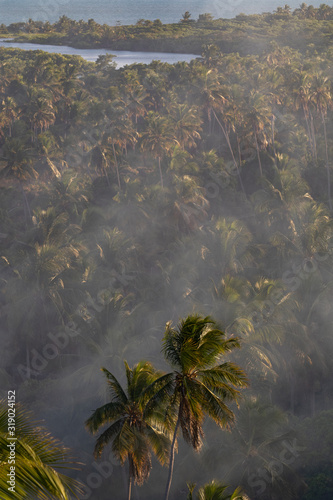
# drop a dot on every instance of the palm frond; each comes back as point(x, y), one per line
point(117, 391)
point(110, 433)
point(104, 415)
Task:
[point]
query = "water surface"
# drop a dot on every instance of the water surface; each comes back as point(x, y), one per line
point(123, 57)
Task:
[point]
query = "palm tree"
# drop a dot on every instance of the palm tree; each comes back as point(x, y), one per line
point(158, 138)
point(198, 385)
point(135, 105)
point(9, 113)
point(185, 17)
point(134, 429)
point(37, 458)
point(215, 490)
point(322, 99)
point(19, 166)
point(208, 92)
point(301, 97)
point(258, 117)
point(43, 269)
point(119, 133)
point(40, 111)
point(186, 124)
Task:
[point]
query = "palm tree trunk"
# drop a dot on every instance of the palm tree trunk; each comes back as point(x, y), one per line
point(160, 169)
point(313, 138)
point(273, 134)
point(129, 488)
point(309, 131)
point(226, 135)
point(292, 393)
point(25, 202)
point(116, 163)
point(172, 459)
point(130, 476)
point(327, 164)
point(258, 153)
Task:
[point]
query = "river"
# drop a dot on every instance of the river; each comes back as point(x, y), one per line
point(123, 57)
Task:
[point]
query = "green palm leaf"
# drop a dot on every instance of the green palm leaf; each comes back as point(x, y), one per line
point(38, 455)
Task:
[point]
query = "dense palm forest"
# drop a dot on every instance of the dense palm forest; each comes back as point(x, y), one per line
point(132, 198)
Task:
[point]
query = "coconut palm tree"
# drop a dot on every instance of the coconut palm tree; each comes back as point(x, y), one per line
point(186, 124)
point(118, 134)
point(42, 270)
point(300, 92)
point(40, 111)
point(37, 457)
point(134, 430)
point(18, 166)
point(197, 386)
point(9, 113)
point(216, 490)
point(322, 99)
point(258, 116)
point(158, 138)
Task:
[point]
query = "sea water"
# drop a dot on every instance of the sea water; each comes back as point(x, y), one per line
point(114, 12)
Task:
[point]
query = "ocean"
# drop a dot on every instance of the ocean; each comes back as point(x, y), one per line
point(129, 11)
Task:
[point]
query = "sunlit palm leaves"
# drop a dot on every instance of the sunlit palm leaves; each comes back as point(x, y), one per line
point(38, 458)
point(135, 431)
point(199, 385)
point(217, 491)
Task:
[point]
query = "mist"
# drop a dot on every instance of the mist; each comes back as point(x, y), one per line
point(131, 198)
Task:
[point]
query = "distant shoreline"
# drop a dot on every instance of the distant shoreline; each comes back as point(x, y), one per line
point(244, 34)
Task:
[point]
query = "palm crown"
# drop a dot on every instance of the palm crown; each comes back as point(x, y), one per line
point(37, 457)
point(199, 384)
point(134, 431)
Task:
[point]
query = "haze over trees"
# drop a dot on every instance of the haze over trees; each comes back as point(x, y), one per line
point(132, 198)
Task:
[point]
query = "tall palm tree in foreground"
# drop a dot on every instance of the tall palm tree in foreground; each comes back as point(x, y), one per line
point(216, 491)
point(199, 384)
point(37, 458)
point(134, 428)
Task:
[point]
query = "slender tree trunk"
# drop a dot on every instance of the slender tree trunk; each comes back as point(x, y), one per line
point(209, 115)
point(160, 169)
point(327, 164)
point(313, 138)
point(292, 393)
point(226, 135)
point(107, 177)
point(116, 163)
point(125, 479)
point(239, 150)
point(129, 488)
point(273, 135)
point(258, 153)
point(172, 459)
point(309, 132)
point(25, 201)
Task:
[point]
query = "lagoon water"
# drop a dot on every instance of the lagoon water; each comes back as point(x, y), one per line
point(129, 11)
point(122, 57)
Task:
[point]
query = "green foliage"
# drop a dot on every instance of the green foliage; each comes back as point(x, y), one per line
point(133, 432)
point(136, 196)
point(37, 457)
